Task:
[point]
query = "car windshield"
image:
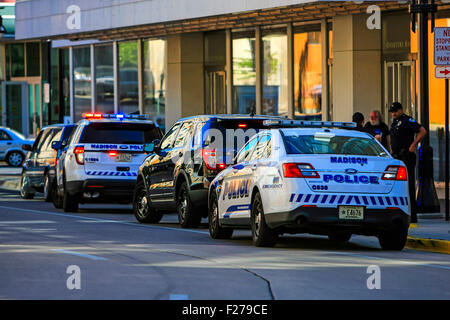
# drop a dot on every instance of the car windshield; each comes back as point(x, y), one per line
point(328, 143)
point(120, 133)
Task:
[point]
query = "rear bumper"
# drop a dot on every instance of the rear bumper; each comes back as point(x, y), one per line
point(326, 221)
point(113, 190)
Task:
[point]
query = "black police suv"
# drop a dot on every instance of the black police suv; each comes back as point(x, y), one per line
point(177, 173)
point(38, 174)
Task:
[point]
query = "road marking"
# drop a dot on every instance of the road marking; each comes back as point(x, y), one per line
point(178, 297)
point(105, 220)
point(83, 255)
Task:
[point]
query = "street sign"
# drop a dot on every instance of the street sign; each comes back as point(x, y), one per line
point(442, 46)
point(443, 72)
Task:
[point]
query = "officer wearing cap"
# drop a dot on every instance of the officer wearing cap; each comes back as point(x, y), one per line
point(406, 133)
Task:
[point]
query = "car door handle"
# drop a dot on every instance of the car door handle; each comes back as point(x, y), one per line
point(180, 154)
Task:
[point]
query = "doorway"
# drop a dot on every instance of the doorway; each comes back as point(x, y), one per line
point(15, 103)
point(400, 86)
point(216, 102)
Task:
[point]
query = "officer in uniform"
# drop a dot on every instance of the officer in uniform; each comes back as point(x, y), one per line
point(406, 134)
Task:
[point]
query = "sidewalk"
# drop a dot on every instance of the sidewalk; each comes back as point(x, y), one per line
point(430, 235)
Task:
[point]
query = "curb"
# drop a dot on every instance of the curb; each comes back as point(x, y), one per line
point(431, 245)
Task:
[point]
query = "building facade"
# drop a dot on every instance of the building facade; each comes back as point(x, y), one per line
point(170, 59)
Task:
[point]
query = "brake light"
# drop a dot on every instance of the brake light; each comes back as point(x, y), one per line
point(209, 157)
point(79, 155)
point(242, 125)
point(221, 166)
point(398, 173)
point(299, 170)
point(112, 153)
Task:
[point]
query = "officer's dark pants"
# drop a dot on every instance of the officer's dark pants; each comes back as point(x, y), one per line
point(410, 161)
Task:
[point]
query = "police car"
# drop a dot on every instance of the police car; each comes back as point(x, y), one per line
point(312, 177)
point(100, 163)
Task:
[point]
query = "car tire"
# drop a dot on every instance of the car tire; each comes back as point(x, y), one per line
point(394, 239)
point(15, 159)
point(262, 234)
point(47, 188)
point(215, 230)
point(56, 198)
point(70, 202)
point(23, 193)
point(141, 208)
point(187, 217)
point(339, 237)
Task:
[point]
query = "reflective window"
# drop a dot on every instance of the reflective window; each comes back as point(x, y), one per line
point(33, 59)
point(245, 153)
point(104, 79)
point(82, 81)
point(169, 137)
point(262, 150)
point(244, 72)
point(128, 77)
point(275, 68)
point(308, 75)
point(155, 80)
point(184, 134)
point(17, 60)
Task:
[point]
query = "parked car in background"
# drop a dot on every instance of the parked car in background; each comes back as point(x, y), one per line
point(11, 143)
point(38, 174)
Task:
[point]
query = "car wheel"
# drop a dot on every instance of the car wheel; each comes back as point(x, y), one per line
point(394, 239)
point(141, 207)
point(24, 186)
point(339, 237)
point(56, 198)
point(15, 159)
point(47, 189)
point(262, 235)
point(70, 202)
point(215, 230)
point(186, 215)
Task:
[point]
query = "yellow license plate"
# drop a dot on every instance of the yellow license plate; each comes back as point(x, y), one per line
point(351, 212)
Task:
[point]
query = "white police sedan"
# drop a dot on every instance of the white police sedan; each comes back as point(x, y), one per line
point(312, 177)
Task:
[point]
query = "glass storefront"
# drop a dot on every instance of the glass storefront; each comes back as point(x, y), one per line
point(244, 72)
point(82, 81)
point(155, 80)
point(275, 68)
point(104, 78)
point(128, 77)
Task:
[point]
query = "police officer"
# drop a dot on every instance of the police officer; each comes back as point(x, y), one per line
point(406, 134)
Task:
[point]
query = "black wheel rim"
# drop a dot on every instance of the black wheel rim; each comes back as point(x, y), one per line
point(142, 205)
point(182, 205)
point(214, 216)
point(257, 219)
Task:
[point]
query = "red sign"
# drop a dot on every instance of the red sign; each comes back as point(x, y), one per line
point(443, 72)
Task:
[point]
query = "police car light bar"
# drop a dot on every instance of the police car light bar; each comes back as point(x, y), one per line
point(304, 123)
point(91, 115)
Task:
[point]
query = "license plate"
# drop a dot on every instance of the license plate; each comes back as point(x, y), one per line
point(123, 157)
point(351, 212)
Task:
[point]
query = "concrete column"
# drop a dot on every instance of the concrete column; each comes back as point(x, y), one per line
point(357, 68)
point(185, 77)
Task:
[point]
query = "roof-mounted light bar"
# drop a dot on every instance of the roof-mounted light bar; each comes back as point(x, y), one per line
point(306, 124)
point(120, 116)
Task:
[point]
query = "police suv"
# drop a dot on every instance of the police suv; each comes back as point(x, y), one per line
point(312, 177)
point(102, 159)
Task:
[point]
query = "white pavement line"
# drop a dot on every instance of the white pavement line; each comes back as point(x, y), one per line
point(178, 297)
point(412, 263)
point(83, 255)
point(103, 220)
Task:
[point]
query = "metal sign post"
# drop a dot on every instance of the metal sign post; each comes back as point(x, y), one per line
point(446, 153)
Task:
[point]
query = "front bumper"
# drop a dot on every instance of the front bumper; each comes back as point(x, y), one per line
point(318, 220)
point(114, 190)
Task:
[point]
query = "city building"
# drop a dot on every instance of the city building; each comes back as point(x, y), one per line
point(297, 58)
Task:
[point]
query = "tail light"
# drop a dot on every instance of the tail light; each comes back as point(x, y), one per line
point(112, 153)
point(210, 159)
point(299, 170)
point(398, 173)
point(79, 155)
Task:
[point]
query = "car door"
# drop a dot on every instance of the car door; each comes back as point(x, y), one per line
point(236, 195)
point(46, 157)
point(5, 143)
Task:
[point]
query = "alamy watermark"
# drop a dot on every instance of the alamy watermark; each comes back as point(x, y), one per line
point(74, 280)
point(374, 280)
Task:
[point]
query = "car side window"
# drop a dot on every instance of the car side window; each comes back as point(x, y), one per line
point(168, 139)
point(246, 152)
point(42, 140)
point(262, 149)
point(184, 134)
point(4, 136)
point(46, 140)
point(55, 137)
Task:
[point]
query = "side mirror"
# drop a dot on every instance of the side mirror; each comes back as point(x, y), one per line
point(27, 147)
point(56, 145)
point(152, 147)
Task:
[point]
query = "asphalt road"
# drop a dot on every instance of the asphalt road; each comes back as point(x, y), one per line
point(121, 259)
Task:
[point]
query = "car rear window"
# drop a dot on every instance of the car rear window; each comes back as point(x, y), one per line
point(327, 143)
point(120, 133)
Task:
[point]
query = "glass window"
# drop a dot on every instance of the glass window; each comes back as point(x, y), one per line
point(104, 79)
point(169, 137)
point(244, 72)
point(155, 80)
point(262, 150)
point(4, 136)
point(17, 60)
point(119, 133)
point(308, 75)
point(184, 135)
point(275, 78)
point(33, 59)
point(245, 153)
point(82, 81)
point(128, 77)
